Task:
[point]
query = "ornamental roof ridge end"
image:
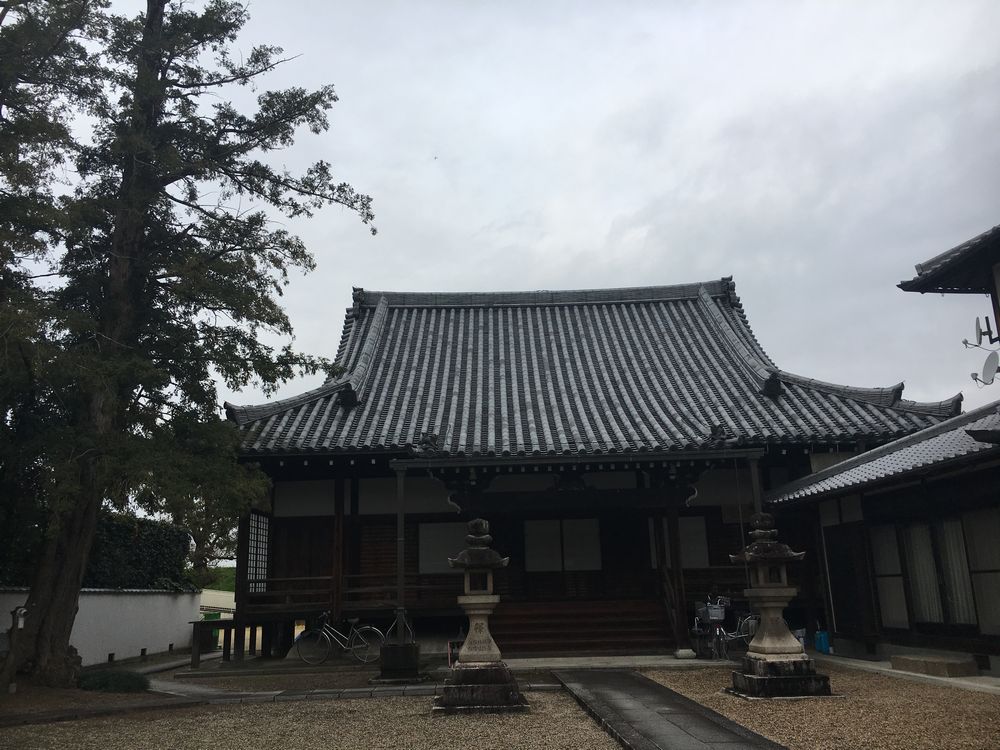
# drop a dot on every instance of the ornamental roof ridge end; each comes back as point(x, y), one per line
point(350, 384)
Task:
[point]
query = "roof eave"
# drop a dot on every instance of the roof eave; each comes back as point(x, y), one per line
point(917, 474)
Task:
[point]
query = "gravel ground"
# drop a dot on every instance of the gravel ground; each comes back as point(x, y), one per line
point(877, 712)
point(555, 721)
point(31, 699)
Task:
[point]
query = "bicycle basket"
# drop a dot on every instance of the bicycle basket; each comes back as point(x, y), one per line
point(715, 613)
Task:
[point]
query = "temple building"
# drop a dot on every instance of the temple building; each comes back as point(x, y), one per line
point(617, 440)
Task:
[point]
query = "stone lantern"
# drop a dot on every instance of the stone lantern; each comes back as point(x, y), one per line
point(775, 663)
point(479, 681)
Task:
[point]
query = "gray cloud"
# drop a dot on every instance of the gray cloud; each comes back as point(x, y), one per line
point(815, 151)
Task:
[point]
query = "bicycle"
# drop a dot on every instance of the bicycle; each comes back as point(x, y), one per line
point(314, 645)
point(714, 639)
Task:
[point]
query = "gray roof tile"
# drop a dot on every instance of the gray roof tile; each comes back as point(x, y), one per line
point(930, 448)
point(605, 371)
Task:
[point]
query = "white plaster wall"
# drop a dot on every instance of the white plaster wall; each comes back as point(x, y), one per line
point(307, 498)
point(724, 487)
point(533, 482)
point(122, 622)
point(820, 461)
point(421, 495)
point(610, 480)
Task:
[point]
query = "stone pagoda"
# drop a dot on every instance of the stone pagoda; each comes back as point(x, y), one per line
point(479, 681)
point(775, 664)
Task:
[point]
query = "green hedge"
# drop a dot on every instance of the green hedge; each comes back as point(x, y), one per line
point(223, 579)
point(114, 681)
point(137, 553)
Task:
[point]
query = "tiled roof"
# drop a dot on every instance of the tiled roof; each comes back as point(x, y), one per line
point(930, 449)
point(965, 269)
point(608, 371)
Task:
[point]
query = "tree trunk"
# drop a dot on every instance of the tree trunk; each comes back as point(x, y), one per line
point(42, 648)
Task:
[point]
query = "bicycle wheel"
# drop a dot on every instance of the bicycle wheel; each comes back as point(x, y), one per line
point(748, 628)
point(313, 646)
point(366, 644)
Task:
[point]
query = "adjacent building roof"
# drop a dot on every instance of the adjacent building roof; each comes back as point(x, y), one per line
point(934, 449)
point(609, 371)
point(965, 269)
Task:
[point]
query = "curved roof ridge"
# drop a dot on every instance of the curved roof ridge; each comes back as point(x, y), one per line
point(928, 433)
point(736, 305)
point(717, 288)
point(353, 390)
point(763, 373)
point(241, 415)
point(949, 407)
point(880, 396)
point(350, 385)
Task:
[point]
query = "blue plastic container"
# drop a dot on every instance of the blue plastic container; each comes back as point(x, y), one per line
point(822, 641)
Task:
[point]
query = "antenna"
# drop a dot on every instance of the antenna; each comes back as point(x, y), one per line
point(986, 333)
point(989, 369)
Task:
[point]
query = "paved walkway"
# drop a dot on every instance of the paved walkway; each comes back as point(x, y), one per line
point(644, 715)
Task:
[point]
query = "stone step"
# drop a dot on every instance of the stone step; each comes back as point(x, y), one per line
point(600, 646)
point(633, 625)
point(612, 606)
point(554, 623)
point(939, 666)
point(592, 632)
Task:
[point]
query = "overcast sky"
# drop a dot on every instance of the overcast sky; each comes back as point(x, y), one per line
point(814, 151)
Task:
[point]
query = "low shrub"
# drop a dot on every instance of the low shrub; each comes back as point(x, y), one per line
point(114, 681)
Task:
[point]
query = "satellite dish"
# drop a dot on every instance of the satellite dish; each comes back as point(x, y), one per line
point(979, 333)
point(990, 367)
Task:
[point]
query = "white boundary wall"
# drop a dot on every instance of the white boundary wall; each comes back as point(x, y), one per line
point(121, 621)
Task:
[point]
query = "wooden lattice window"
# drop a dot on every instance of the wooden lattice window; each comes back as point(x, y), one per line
point(258, 552)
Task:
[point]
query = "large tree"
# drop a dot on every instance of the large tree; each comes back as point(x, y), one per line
point(168, 265)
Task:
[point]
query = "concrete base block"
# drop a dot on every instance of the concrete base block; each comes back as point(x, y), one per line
point(780, 687)
point(480, 688)
point(684, 653)
point(400, 662)
point(762, 678)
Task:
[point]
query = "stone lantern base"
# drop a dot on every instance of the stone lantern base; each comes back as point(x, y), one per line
point(779, 678)
point(483, 687)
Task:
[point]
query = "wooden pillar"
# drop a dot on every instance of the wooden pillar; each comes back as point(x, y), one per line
point(400, 556)
point(659, 544)
point(755, 485)
point(337, 572)
point(353, 539)
point(267, 640)
point(681, 637)
point(242, 574)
